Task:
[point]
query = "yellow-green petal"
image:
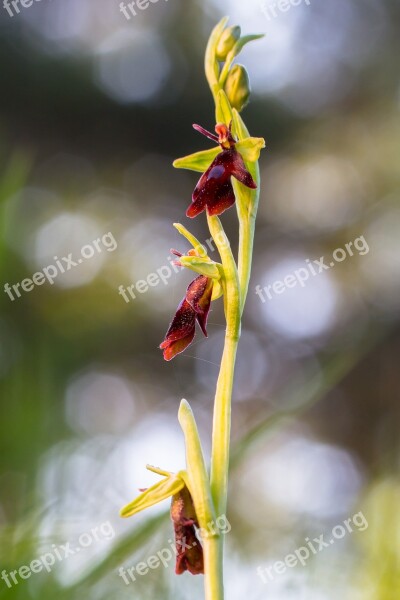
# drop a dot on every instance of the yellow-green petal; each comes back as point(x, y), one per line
point(217, 290)
point(196, 245)
point(169, 486)
point(250, 148)
point(240, 128)
point(199, 161)
point(201, 266)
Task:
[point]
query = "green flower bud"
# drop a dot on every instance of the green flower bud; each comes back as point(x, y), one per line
point(237, 87)
point(226, 42)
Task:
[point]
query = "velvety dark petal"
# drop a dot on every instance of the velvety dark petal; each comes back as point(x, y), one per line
point(181, 331)
point(239, 171)
point(172, 348)
point(198, 295)
point(224, 199)
point(212, 184)
point(196, 207)
point(189, 552)
point(182, 323)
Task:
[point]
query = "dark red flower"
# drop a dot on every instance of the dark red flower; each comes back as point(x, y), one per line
point(194, 306)
point(189, 551)
point(214, 189)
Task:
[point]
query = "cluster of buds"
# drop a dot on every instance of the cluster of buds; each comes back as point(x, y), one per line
point(237, 83)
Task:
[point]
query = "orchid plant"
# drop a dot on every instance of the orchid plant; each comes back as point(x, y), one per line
point(230, 175)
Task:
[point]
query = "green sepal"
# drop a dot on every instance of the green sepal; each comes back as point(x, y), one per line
point(203, 266)
point(217, 291)
point(223, 110)
point(198, 247)
point(196, 472)
point(250, 148)
point(233, 53)
point(240, 128)
point(199, 161)
point(169, 486)
point(238, 47)
point(246, 198)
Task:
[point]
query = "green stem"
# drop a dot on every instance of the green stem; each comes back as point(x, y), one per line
point(213, 568)
point(222, 405)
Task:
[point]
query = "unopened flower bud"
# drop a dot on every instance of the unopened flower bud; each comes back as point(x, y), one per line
point(237, 87)
point(226, 42)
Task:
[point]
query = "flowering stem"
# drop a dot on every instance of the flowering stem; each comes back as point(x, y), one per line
point(236, 283)
point(235, 164)
point(210, 493)
point(222, 405)
point(213, 568)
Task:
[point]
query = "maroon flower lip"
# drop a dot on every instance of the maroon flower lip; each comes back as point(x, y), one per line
point(214, 190)
point(189, 551)
point(194, 306)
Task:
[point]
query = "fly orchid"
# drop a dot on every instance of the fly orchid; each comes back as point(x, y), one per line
point(214, 189)
point(196, 303)
point(189, 551)
point(194, 306)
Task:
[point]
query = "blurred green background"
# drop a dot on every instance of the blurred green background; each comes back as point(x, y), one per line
point(93, 110)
